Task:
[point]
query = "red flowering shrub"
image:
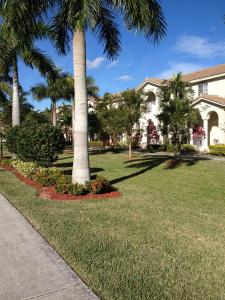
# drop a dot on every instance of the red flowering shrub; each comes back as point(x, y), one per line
point(153, 133)
point(198, 132)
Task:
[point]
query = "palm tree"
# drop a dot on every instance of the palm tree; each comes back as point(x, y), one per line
point(20, 27)
point(53, 89)
point(60, 88)
point(72, 21)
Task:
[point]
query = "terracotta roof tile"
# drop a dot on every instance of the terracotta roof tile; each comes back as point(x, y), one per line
point(213, 98)
point(216, 70)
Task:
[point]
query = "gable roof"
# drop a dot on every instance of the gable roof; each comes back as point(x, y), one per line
point(154, 81)
point(211, 98)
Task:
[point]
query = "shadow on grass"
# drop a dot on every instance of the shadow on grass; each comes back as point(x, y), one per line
point(145, 164)
point(183, 160)
point(150, 162)
point(69, 165)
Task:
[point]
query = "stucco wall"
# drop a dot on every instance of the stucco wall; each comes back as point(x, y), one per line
point(215, 87)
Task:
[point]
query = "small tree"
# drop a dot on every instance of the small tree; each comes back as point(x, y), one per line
point(132, 105)
point(177, 113)
point(110, 117)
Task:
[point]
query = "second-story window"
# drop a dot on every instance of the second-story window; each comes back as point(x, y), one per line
point(203, 89)
point(151, 100)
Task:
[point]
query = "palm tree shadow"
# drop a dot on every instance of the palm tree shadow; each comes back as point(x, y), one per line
point(145, 164)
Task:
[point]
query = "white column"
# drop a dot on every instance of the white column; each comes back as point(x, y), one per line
point(206, 129)
point(191, 136)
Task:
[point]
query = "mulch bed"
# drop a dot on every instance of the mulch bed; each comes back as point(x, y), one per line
point(50, 192)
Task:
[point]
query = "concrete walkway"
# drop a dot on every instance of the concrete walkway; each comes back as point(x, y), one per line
point(29, 267)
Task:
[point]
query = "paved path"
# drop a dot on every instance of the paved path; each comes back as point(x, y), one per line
point(29, 267)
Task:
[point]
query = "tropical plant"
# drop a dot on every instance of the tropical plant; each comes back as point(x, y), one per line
point(176, 112)
point(110, 118)
point(132, 104)
point(55, 89)
point(72, 21)
point(20, 27)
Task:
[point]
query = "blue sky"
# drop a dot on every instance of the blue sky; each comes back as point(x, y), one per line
point(195, 39)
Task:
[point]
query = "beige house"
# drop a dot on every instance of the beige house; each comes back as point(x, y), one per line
point(209, 88)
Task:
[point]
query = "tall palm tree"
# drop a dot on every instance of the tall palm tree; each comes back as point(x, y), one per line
point(20, 26)
point(72, 21)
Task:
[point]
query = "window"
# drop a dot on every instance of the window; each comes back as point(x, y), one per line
point(203, 89)
point(150, 101)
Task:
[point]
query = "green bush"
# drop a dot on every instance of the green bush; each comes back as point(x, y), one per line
point(48, 176)
point(11, 139)
point(186, 148)
point(62, 183)
point(7, 162)
point(96, 144)
point(217, 149)
point(28, 169)
point(39, 143)
point(167, 147)
point(77, 189)
point(99, 185)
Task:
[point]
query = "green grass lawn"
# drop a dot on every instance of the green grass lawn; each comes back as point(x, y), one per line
point(163, 239)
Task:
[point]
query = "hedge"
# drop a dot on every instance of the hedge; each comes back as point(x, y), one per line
point(217, 149)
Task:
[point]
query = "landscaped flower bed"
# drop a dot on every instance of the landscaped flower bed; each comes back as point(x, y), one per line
point(51, 183)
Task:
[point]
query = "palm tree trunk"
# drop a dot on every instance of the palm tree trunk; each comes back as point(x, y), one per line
point(73, 120)
point(15, 98)
point(81, 166)
point(130, 150)
point(54, 115)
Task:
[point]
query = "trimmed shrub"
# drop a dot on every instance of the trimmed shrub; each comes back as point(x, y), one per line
point(217, 149)
point(186, 148)
point(96, 145)
point(28, 169)
point(48, 176)
point(167, 147)
point(77, 189)
point(99, 185)
point(11, 139)
point(40, 143)
point(62, 183)
point(7, 162)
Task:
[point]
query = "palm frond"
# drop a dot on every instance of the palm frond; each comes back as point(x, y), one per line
point(144, 16)
point(107, 31)
point(60, 32)
point(39, 92)
point(34, 57)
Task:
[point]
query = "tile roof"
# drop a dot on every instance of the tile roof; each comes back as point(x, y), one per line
point(156, 81)
point(216, 70)
point(212, 98)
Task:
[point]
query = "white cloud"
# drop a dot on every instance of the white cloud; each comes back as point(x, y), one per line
point(125, 78)
point(95, 63)
point(112, 64)
point(200, 46)
point(176, 67)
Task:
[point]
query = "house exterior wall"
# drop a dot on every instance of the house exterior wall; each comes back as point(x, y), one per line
point(151, 115)
point(216, 86)
point(214, 134)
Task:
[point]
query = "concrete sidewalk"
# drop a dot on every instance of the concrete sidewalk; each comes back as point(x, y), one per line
point(29, 267)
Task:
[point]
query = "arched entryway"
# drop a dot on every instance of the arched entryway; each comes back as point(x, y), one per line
point(213, 128)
